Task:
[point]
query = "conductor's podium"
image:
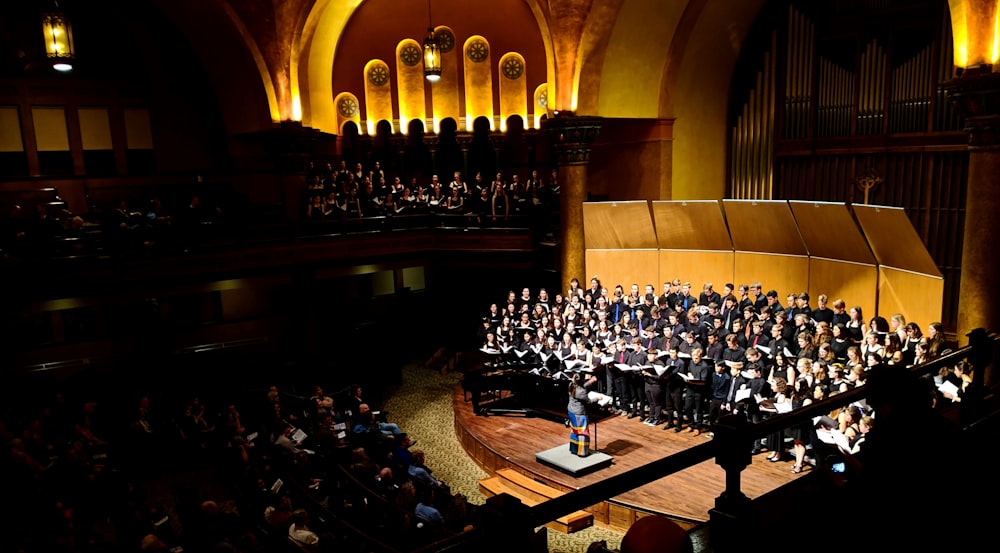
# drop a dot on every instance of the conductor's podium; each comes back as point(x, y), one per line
point(531, 493)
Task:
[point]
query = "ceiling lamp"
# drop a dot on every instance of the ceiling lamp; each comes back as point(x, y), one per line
point(58, 39)
point(432, 51)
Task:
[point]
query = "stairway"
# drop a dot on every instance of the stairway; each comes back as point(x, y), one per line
point(531, 493)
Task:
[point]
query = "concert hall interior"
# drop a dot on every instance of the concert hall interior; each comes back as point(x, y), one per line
point(235, 202)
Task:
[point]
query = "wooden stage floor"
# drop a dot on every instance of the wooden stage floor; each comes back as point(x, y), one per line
point(502, 441)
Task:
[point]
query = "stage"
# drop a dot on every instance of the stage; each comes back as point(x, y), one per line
point(498, 441)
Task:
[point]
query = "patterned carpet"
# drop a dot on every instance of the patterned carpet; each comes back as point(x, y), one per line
point(422, 406)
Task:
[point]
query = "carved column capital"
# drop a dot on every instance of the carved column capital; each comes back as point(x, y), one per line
point(399, 143)
point(572, 136)
point(976, 96)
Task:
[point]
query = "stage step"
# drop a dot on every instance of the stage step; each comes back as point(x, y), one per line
point(531, 493)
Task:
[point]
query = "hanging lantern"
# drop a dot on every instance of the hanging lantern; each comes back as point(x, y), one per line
point(432, 56)
point(58, 40)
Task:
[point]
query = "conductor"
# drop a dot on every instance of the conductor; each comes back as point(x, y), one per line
point(579, 434)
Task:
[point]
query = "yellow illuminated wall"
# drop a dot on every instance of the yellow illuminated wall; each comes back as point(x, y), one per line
point(541, 104)
point(378, 94)
point(478, 81)
point(10, 130)
point(95, 129)
point(444, 93)
point(50, 129)
point(513, 89)
point(348, 109)
point(410, 79)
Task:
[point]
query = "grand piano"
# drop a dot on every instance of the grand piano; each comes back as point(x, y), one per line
point(496, 385)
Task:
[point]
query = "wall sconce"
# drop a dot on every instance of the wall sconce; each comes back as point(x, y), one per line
point(432, 51)
point(58, 39)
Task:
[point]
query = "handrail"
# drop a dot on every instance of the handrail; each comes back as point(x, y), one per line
point(618, 484)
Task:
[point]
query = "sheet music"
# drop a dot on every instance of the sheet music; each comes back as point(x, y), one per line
point(742, 393)
point(835, 437)
point(949, 387)
point(766, 350)
point(601, 399)
point(624, 367)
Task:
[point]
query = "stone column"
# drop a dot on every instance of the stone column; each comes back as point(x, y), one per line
point(976, 94)
point(432, 143)
point(400, 143)
point(464, 141)
point(571, 137)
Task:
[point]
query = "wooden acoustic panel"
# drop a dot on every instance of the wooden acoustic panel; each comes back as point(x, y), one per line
point(893, 239)
point(787, 274)
point(829, 231)
point(623, 267)
point(918, 297)
point(618, 226)
point(855, 283)
point(696, 267)
point(763, 226)
point(691, 225)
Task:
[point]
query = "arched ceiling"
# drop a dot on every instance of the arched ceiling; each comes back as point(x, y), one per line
point(234, 65)
point(636, 54)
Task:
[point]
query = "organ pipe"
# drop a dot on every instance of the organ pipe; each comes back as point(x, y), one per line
point(752, 136)
point(871, 97)
point(798, 75)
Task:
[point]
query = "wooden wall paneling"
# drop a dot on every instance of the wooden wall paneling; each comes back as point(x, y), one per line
point(694, 242)
point(620, 518)
point(840, 262)
point(829, 231)
point(893, 239)
point(600, 512)
point(623, 267)
point(785, 273)
point(917, 296)
point(618, 225)
point(691, 225)
point(909, 280)
point(763, 226)
point(855, 283)
point(698, 267)
point(769, 247)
